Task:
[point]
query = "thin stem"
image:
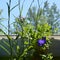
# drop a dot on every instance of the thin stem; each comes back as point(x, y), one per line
point(14, 7)
point(19, 8)
point(9, 27)
point(22, 7)
point(8, 18)
point(37, 13)
point(30, 6)
point(38, 4)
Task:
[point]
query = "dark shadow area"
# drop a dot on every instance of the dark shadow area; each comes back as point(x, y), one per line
point(55, 47)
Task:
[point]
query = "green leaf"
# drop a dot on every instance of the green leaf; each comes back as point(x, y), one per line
point(4, 49)
point(8, 36)
point(26, 42)
point(7, 44)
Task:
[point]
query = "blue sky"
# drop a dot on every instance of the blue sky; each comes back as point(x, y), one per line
point(15, 12)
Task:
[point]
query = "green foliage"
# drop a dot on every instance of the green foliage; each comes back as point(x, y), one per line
point(1, 11)
point(47, 14)
point(1, 46)
point(28, 31)
point(30, 34)
point(47, 57)
point(53, 15)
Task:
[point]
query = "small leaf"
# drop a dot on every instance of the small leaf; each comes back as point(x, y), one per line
point(26, 42)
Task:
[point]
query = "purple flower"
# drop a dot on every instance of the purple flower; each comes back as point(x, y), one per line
point(42, 41)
